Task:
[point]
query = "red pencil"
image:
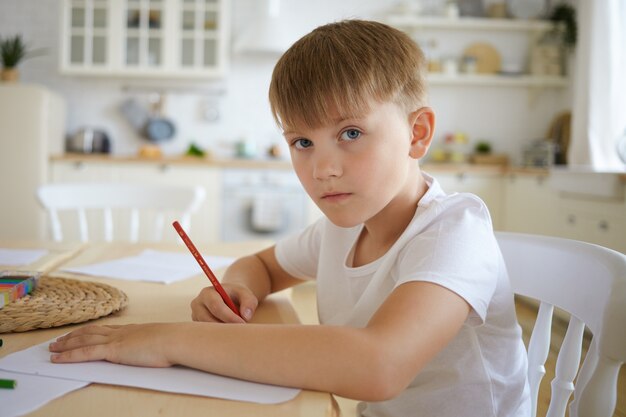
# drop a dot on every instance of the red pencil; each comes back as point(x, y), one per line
point(207, 271)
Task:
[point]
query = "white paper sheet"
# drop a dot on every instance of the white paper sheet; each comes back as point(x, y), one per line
point(16, 257)
point(152, 265)
point(36, 361)
point(32, 392)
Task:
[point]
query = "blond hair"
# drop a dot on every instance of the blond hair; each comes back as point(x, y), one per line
point(340, 68)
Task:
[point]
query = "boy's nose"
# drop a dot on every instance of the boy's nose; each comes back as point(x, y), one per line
point(326, 165)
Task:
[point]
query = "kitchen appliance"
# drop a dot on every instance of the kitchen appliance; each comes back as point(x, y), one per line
point(88, 140)
point(539, 153)
point(32, 126)
point(261, 204)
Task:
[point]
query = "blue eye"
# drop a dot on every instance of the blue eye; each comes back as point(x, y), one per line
point(302, 143)
point(350, 134)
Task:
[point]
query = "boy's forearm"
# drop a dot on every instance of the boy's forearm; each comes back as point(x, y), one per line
point(250, 272)
point(340, 360)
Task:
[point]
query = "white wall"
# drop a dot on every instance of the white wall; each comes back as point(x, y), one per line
point(506, 116)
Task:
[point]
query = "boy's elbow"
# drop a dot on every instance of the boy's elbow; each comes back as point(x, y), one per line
point(384, 380)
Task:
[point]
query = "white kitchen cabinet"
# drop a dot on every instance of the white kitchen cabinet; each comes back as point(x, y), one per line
point(205, 222)
point(518, 201)
point(32, 125)
point(80, 171)
point(596, 220)
point(531, 205)
point(144, 38)
point(488, 187)
point(519, 34)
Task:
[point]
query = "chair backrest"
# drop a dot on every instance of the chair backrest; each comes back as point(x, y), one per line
point(588, 282)
point(138, 204)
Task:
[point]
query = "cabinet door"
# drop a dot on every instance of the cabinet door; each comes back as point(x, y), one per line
point(530, 205)
point(595, 221)
point(63, 171)
point(86, 34)
point(143, 43)
point(155, 38)
point(200, 35)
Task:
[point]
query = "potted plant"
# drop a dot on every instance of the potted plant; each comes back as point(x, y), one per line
point(563, 16)
point(12, 51)
point(483, 155)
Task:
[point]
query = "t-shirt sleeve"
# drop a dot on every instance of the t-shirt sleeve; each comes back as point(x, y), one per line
point(457, 251)
point(298, 254)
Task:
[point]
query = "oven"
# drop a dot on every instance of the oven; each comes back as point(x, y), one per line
point(261, 204)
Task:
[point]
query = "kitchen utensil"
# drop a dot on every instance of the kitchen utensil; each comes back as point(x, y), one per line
point(158, 128)
point(497, 10)
point(472, 8)
point(559, 134)
point(526, 9)
point(488, 59)
point(153, 127)
point(88, 140)
point(134, 113)
point(245, 149)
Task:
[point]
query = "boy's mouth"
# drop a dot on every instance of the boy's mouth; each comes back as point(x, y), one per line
point(335, 197)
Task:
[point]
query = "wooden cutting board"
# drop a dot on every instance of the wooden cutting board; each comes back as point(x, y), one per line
point(488, 60)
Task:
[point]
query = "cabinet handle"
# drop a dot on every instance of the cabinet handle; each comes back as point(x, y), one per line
point(603, 225)
point(79, 166)
point(571, 219)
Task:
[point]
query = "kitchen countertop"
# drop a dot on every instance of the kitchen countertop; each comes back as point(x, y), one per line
point(278, 163)
point(456, 168)
point(177, 160)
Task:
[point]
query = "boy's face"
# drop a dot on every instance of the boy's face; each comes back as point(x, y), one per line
point(354, 168)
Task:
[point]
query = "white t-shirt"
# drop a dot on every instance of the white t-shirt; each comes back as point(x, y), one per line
point(450, 241)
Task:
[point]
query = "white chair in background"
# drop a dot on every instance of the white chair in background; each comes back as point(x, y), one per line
point(151, 202)
point(589, 283)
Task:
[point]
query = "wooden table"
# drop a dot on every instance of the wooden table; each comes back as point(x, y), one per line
point(150, 302)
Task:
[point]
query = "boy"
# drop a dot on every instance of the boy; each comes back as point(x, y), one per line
point(416, 310)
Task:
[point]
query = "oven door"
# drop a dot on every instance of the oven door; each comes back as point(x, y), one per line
point(262, 213)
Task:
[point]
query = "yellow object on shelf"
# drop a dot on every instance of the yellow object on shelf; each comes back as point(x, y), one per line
point(490, 159)
point(150, 151)
point(487, 57)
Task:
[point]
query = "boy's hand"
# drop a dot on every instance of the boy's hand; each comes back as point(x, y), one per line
point(209, 306)
point(135, 344)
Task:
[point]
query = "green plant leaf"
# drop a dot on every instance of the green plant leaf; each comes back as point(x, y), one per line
point(13, 50)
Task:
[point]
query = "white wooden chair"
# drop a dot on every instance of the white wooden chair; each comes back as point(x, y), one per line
point(588, 282)
point(137, 204)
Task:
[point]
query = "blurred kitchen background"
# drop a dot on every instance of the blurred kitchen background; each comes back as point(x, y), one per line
point(176, 91)
point(229, 105)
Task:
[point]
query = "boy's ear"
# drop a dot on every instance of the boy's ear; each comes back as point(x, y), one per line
point(423, 128)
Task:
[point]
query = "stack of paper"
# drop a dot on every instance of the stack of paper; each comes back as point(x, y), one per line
point(18, 257)
point(152, 265)
point(32, 392)
point(40, 381)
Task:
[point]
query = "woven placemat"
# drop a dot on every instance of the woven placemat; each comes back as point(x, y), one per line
point(59, 301)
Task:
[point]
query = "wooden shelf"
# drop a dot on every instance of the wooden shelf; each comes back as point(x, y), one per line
point(530, 28)
point(468, 23)
point(498, 80)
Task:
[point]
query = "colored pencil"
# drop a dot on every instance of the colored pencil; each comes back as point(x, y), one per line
point(207, 271)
